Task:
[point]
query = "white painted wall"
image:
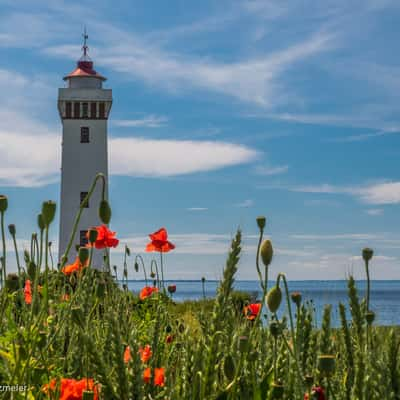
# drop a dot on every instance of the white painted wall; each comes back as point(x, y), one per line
point(80, 164)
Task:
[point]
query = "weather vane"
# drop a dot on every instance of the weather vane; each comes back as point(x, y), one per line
point(85, 38)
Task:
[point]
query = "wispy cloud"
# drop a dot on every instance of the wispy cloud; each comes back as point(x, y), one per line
point(267, 170)
point(246, 204)
point(149, 121)
point(197, 209)
point(375, 211)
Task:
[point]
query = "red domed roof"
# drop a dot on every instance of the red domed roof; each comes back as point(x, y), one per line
point(85, 69)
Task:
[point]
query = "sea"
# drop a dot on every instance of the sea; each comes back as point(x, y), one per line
point(384, 296)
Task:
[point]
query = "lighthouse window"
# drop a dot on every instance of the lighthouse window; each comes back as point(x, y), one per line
point(85, 110)
point(83, 240)
point(77, 110)
point(83, 196)
point(93, 110)
point(102, 110)
point(68, 109)
point(84, 134)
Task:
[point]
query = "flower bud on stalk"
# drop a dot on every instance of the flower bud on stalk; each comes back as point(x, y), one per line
point(11, 229)
point(326, 363)
point(261, 222)
point(370, 317)
point(296, 298)
point(275, 329)
point(266, 252)
point(3, 203)
point(367, 254)
point(105, 212)
point(136, 266)
point(83, 255)
point(127, 251)
point(274, 298)
point(48, 212)
point(92, 235)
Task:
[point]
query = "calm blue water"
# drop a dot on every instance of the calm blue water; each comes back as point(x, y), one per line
point(385, 295)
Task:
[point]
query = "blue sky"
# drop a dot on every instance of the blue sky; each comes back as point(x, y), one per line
point(222, 111)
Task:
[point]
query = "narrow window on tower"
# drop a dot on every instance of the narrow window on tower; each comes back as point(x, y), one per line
point(77, 110)
point(68, 109)
point(85, 110)
point(102, 110)
point(93, 110)
point(83, 240)
point(84, 134)
point(84, 203)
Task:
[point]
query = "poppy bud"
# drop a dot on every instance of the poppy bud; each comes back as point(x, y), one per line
point(261, 222)
point(296, 298)
point(92, 235)
point(243, 340)
point(168, 329)
point(127, 251)
point(229, 367)
point(181, 328)
point(203, 279)
point(40, 222)
point(136, 266)
point(12, 282)
point(152, 275)
point(88, 395)
point(48, 212)
point(169, 339)
point(3, 203)
point(83, 255)
point(77, 316)
point(369, 317)
point(326, 363)
point(266, 252)
point(274, 298)
point(275, 329)
point(277, 390)
point(105, 212)
point(115, 268)
point(367, 254)
point(171, 288)
point(11, 229)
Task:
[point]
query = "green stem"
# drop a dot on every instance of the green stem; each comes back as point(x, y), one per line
point(263, 286)
point(64, 258)
point(368, 283)
point(138, 256)
point(162, 271)
point(17, 258)
point(41, 249)
point(3, 237)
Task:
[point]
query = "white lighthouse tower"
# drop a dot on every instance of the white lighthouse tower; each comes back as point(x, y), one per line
point(84, 107)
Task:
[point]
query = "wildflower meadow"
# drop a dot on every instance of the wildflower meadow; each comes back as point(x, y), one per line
point(70, 331)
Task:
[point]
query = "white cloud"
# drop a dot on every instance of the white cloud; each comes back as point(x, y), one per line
point(341, 236)
point(149, 121)
point(246, 203)
point(375, 211)
point(197, 209)
point(157, 158)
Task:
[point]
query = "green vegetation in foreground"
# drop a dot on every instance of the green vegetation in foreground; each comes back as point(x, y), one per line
point(80, 331)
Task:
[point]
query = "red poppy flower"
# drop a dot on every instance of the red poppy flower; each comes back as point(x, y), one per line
point(317, 393)
point(147, 375)
point(145, 353)
point(72, 389)
point(252, 310)
point(169, 339)
point(159, 376)
point(76, 266)
point(127, 355)
point(147, 291)
point(105, 238)
point(28, 292)
point(159, 242)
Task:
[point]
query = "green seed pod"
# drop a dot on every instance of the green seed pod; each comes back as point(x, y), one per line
point(274, 298)
point(261, 222)
point(367, 254)
point(83, 255)
point(370, 317)
point(40, 222)
point(296, 298)
point(48, 212)
point(326, 363)
point(105, 212)
point(266, 252)
point(87, 395)
point(3, 203)
point(277, 390)
point(12, 282)
point(275, 328)
point(229, 368)
point(93, 234)
point(11, 229)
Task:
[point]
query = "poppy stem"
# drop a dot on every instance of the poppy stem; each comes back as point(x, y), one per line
point(3, 260)
point(138, 256)
point(162, 270)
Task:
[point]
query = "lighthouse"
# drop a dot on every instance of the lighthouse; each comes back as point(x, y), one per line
point(84, 106)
